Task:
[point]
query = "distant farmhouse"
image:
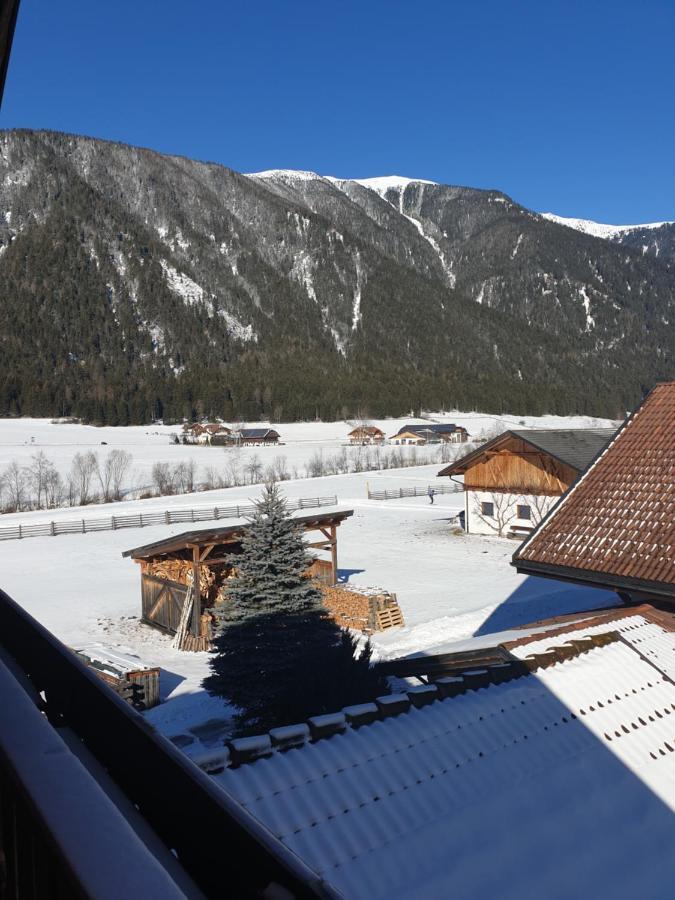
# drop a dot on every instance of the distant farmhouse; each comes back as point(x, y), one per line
point(512, 481)
point(196, 433)
point(366, 434)
point(615, 529)
point(430, 434)
point(257, 436)
point(222, 436)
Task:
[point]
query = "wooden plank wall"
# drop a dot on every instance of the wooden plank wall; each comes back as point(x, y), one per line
point(162, 602)
point(518, 468)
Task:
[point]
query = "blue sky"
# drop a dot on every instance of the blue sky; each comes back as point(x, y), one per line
point(566, 106)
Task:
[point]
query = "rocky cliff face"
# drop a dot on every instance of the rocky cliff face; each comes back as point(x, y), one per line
point(135, 285)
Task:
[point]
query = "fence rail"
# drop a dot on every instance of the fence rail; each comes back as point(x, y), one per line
point(399, 493)
point(142, 520)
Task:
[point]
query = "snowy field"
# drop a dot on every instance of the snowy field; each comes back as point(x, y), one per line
point(450, 587)
point(20, 439)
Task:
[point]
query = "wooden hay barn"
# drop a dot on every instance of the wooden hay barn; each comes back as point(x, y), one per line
point(205, 559)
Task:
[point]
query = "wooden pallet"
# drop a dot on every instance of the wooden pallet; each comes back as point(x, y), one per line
point(389, 617)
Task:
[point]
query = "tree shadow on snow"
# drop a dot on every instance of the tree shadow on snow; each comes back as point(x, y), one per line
point(541, 598)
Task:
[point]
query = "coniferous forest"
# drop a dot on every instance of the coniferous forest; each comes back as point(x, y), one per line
point(135, 286)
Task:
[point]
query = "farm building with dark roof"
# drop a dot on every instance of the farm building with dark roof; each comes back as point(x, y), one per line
point(511, 482)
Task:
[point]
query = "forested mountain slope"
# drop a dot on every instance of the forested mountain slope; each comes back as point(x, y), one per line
point(135, 285)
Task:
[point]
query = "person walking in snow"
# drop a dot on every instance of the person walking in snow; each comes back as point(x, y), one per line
point(431, 493)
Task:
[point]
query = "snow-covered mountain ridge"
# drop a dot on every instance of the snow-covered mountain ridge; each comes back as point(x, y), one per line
point(598, 229)
point(134, 284)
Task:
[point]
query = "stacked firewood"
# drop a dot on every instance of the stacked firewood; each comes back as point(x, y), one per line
point(372, 610)
point(180, 570)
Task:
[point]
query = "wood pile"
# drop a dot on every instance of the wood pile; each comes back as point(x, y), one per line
point(366, 612)
point(180, 570)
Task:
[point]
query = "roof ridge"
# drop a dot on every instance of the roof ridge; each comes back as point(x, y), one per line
point(240, 751)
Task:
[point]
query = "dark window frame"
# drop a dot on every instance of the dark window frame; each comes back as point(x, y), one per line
point(487, 508)
point(527, 509)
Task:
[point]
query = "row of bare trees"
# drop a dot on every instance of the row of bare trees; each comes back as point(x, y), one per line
point(94, 479)
point(39, 484)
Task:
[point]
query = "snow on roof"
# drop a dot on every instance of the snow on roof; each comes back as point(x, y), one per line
point(563, 777)
point(598, 229)
point(646, 637)
point(110, 660)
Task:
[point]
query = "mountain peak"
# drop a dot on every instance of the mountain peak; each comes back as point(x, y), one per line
point(598, 229)
point(381, 184)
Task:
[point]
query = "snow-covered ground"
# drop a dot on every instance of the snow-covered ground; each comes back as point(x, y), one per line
point(20, 439)
point(450, 587)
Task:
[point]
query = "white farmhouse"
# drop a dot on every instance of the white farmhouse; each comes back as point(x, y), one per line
point(511, 482)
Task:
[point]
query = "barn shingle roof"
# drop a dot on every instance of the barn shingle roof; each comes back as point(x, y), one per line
point(616, 526)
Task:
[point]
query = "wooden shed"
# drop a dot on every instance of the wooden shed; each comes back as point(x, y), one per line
point(204, 559)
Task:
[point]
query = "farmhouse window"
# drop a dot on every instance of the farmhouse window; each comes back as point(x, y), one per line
point(524, 512)
point(487, 509)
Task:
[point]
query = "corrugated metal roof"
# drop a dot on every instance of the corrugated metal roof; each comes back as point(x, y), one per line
point(648, 638)
point(564, 779)
point(618, 521)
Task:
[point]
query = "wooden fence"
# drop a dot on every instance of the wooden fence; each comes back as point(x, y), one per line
point(142, 520)
point(399, 493)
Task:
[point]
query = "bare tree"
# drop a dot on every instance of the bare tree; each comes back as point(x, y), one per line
point(233, 476)
point(84, 466)
point(504, 511)
point(162, 478)
point(118, 461)
point(539, 505)
point(53, 488)
point(36, 474)
point(14, 480)
point(212, 478)
point(315, 466)
point(280, 466)
point(254, 469)
point(184, 476)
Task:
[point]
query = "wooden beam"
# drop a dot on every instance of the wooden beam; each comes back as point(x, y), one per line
point(196, 593)
point(333, 553)
point(206, 552)
point(159, 602)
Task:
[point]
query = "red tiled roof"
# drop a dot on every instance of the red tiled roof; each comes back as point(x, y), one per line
point(616, 524)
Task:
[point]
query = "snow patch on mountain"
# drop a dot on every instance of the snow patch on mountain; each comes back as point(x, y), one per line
point(182, 284)
point(236, 328)
point(598, 229)
point(285, 175)
point(384, 183)
point(435, 246)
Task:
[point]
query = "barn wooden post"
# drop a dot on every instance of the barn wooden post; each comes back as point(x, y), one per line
point(196, 593)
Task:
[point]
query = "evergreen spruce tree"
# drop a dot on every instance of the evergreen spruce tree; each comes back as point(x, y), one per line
point(278, 657)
